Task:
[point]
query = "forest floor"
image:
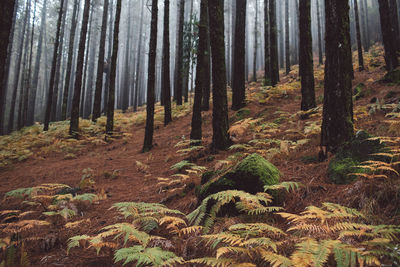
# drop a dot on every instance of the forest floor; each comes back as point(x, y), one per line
point(119, 172)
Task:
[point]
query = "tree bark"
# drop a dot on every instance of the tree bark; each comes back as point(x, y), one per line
point(201, 77)
point(255, 44)
point(320, 53)
point(337, 124)
point(358, 32)
point(53, 69)
point(273, 34)
point(74, 124)
point(166, 79)
point(220, 122)
point(238, 85)
point(395, 23)
point(306, 66)
point(138, 58)
point(267, 72)
point(287, 41)
point(389, 41)
point(148, 136)
point(100, 65)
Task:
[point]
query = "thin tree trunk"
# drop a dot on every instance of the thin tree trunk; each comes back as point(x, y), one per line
point(138, 58)
point(179, 66)
point(113, 74)
point(255, 44)
point(74, 124)
point(320, 53)
point(287, 41)
point(273, 43)
point(267, 72)
point(205, 105)
point(358, 32)
point(201, 80)
point(148, 136)
point(70, 59)
point(306, 66)
point(100, 65)
point(166, 80)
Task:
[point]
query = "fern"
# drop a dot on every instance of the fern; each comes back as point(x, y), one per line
point(288, 186)
point(146, 256)
point(244, 202)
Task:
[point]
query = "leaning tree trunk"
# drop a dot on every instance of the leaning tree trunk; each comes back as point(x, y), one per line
point(358, 31)
point(337, 124)
point(238, 85)
point(201, 80)
point(74, 124)
point(388, 37)
point(273, 34)
point(148, 136)
point(6, 22)
point(306, 66)
point(53, 69)
point(113, 73)
point(166, 80)
point(220, 121)
point(100, 65)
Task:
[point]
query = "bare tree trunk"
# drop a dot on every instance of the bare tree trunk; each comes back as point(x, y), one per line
point(255, 44)
point(166, 80)
point(267, 72)
point(287, 41)
point(7, 24)
point(320, 53)
point(74, 124)
point(220, 122)
point(148, 136)
point(138, 58)
point(179, 54)
point(100, 65)
point(273, 43)
point(358, 31)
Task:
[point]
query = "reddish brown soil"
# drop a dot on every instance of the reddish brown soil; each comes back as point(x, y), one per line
point(135, 185)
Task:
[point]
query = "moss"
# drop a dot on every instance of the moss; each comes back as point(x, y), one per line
point(250, 175)
point(351, 154)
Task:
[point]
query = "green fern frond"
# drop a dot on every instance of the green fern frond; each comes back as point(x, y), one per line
point(214, 262)
point(146, 256)
point(288, 186)
point(74, 242)
point(20, 193)
point(275, 260)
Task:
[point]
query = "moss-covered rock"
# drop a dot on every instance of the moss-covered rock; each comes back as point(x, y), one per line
point(350, 155)
point(392, 77)
point(250, 175)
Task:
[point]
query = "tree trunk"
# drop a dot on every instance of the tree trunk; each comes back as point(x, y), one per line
point(113, 73)
point(337, 124)
point(17, 72)
point(389, 41)
point(53, 69)
point(320, 53)
point(6, 25)
point(100, 65)
point(358, 32)
point(179, 60)
point(201, 77)
point(69, 61)
point(166, 79)
point(138, 59)
point(238, 86)
point(220, 122)
point(148, 136)
point(255, 44)
point(395, 23)
point(267, 72)
point(74, 124)
point(287, 41)
point(126, 78)
point(306, 66)
point(365, 25)
point(205, 104)
point(273, 34)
